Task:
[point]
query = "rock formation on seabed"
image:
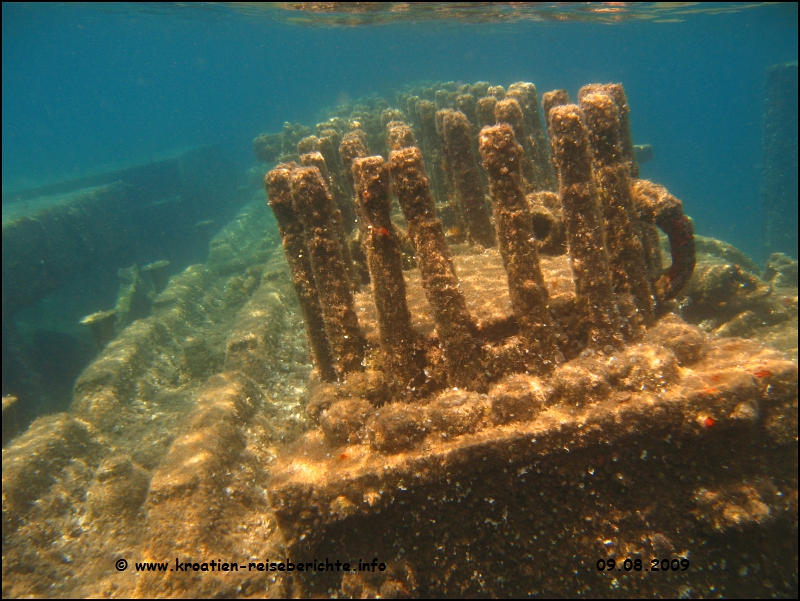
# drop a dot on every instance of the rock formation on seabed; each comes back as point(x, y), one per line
point(489, 416)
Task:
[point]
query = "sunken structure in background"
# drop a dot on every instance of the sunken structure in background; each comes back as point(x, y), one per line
point(779, 176)
point(68, 246)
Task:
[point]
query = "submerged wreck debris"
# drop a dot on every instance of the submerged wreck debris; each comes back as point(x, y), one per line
point(101, 324)
point(527, 291)
point(509, 111)
point(134, 301)
point(584, 224)
point(781, 271)
point(539, 396)
point(315, 205)
point(10, 422)
point(135, 297)
point(629, 275)
point(548, 223)
point(528, 99)
point(453, 322)
point(600, 352)
point(484, 111)
point(467, 179)
point(315, 159)
point(779, 175)
point(657, 207)
point(398, 339)
point(470, 352)
point(620, 101)
point(279, 193)
point(158, 275)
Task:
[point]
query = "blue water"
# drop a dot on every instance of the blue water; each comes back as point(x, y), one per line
point(87, 86)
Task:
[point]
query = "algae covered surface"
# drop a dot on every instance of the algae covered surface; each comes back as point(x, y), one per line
point(432, 338)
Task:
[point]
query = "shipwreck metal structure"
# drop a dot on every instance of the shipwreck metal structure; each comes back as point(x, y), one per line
point(608, 216)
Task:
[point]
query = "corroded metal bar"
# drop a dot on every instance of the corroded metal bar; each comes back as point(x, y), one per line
point(467, 179)
point(343, 197)
point(461, 351)
point(426, 113)
point(587, 248)
point(314, 204)
point(528, 98)
point(386, 272)
point(550, 100)
point(629, 273)
point(353, 146)
point(484, 111)
point(617, 93)
point(399, 135)
point(315, 159)
point(290, 226)
point(529, 299)
point(509, 111)
point(658, 207)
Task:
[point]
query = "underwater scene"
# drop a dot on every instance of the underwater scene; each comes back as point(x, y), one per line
point(400, 300)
